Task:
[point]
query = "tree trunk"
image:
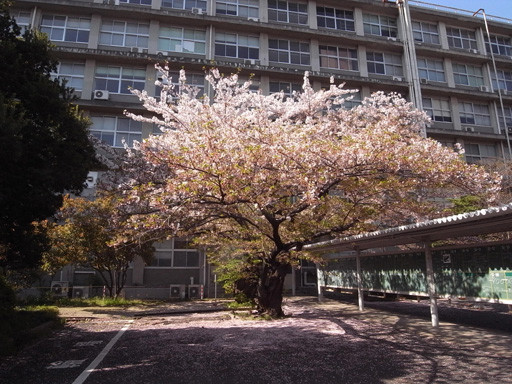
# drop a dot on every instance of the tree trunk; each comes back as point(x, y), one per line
point(270, 289)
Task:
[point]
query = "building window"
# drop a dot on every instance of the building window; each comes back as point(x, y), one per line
point(425, 32)
point(504, 80)
point(287, 88)
point(461, 38)
point(72, 73)
point(288, 52)
point(338, 58)
point(64, 28)
point(431, 69)
point(507, 119)
point(474, 114)
point(380, 25)
point(500, 45)
point(22, 19)
point(333, 18)
point(124, 34)
point(287, 12)
point(476, 152)
point(238, 46)
point(175, 254)
point(137, 2)
point(184, 4)
point(193, 79)
point(384, 63)
point(119, 79)
point(113, 130)
point(437, 109)
point(175, 39)
point(468, 75)
point(242, 8)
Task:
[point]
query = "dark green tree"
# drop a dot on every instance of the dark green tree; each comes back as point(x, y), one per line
point(45, 148)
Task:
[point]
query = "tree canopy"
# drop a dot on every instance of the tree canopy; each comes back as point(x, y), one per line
point(263, 175)
point(85, 234)
point(46, 149)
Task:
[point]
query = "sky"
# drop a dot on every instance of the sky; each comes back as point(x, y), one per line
point(501, 8)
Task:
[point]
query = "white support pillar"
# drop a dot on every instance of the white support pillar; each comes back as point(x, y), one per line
point(294, 282)
point(319, 287)
point(431, 285)
point(360, 294)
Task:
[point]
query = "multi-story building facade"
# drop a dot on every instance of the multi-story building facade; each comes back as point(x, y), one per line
point(445, 62)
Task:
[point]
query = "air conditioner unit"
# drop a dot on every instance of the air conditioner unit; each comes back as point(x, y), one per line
point(197, 11)
point(162, 53)
point(397, 78)
point(134, 49)
point(472, 50)
point(504, 92)
point(60, 288)
point(100, 94)
point(255, 19)
point(391, 38)
point(250, 61)
point(469, 129)
point(177, 291)
point(91, 180)
point(145, 51)
point(80, 292)
point(194, 291)
point(423, 81)
point(484, 88)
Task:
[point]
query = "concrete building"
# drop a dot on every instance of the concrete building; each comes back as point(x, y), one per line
point(445, 61)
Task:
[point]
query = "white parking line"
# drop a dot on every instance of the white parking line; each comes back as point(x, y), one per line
point(85, 374)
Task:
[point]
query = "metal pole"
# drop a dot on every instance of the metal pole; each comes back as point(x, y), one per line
point(293, 282)
point(431, 285)
point(497, 82)
point(360, 294)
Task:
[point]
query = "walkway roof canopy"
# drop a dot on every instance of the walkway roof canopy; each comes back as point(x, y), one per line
point(485, 221)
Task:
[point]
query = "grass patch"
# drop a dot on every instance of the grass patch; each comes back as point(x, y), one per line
point(91, 302)
point(243, 305)
point(23, 325)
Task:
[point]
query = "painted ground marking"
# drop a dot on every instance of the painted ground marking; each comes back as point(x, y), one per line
point(85, 374)
point(65, 364)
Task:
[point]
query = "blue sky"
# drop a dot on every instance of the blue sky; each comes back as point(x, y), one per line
point(501, 8)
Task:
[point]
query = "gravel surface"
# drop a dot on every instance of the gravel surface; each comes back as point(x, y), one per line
point(327, 342)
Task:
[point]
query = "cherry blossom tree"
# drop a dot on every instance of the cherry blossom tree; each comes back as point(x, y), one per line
point(263, 175)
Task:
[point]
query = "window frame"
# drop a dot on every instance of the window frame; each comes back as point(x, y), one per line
point(386, 63)
point(349, 60)
point(288, 88)
point(432, 69)
point(240, 8)
point(67, 28)
point(473, 79)
point(290, 52)
point(169, 247)
point(141, 39)
point(385, 25)
point(184, 40)
point(503, 48)
point(439, 109)
point(504, 80)
point(469, 116)
point(289, 12)
point(122, 79)
point(424, 30)
point(467, 41)
point(70, 76)
point(340, 23)
point(117, 134)
point(137, 2)
point(185, 4)
point(253, 51)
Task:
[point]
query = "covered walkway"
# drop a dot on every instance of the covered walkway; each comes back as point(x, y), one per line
point(485, 221)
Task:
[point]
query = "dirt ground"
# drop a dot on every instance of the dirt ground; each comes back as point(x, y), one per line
point(326, 342)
